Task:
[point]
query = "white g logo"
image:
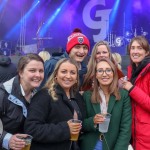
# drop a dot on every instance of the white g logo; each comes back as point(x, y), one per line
point(118, 41)
point(102, 25)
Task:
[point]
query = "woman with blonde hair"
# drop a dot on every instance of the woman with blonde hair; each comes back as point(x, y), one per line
point(100, 50)
point(53, 107)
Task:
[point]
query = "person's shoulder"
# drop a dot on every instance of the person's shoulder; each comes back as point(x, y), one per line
point(53, 60)
point(42, 95)
point(87, 93)
point(78, 95)
point(124, 93)
point(147, 67)
point(42, 92)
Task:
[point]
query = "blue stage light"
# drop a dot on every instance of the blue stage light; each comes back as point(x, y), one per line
point(51, 19)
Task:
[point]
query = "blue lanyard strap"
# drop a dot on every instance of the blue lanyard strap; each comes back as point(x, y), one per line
point(18, 102)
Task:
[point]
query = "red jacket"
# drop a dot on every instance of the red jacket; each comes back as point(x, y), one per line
point(140, 96)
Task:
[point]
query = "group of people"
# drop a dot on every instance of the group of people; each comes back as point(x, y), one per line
point(44, 97)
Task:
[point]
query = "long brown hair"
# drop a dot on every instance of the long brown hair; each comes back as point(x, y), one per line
point(113, 88)
point(51, 83)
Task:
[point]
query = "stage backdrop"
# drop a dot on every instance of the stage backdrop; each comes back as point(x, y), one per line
point(48, 23)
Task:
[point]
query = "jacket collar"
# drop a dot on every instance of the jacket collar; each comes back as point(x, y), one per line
point(60, 91)
point(142, 73)
point(111, 103)
point(13, 86)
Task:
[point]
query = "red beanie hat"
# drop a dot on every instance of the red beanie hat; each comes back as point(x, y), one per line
point(77, 38)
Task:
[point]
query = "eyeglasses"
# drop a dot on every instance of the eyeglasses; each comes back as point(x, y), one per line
point(107, 71)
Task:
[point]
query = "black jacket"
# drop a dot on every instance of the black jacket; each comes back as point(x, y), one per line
point(47, 120)
point(11, 113)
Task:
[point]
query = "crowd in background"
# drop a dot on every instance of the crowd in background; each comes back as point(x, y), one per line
point(42, 95)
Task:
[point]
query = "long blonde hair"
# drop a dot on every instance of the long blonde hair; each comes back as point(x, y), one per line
point(118, 59)
point(113, 88)
point(51, 83)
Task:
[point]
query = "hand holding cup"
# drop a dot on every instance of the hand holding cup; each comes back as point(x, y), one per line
point(99, 118)
point(103, 127)
point(16, 143)
point(125, 84)
point(75, 126)
point(27, 139)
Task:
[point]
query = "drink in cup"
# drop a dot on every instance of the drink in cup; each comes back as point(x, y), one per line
point(74, 137)
point(103, 127)
point(27, 140)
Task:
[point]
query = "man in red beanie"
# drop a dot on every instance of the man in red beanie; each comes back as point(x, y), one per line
point(77, 49)
point(77, 46)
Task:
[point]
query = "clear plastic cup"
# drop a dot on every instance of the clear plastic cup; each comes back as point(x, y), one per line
point(103, 127)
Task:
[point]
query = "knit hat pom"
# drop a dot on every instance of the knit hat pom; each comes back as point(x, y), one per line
point(77, 30)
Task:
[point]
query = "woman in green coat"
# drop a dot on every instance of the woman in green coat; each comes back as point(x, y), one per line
point(106, 97)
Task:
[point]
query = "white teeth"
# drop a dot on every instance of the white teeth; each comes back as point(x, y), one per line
point(105, 79)
point(136, 56)
point(36, 80)
point(80, 56)
point(67, 81)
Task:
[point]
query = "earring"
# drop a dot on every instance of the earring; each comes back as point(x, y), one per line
point(55, 79)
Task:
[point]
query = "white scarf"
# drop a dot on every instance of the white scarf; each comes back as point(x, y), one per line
point(103, 104)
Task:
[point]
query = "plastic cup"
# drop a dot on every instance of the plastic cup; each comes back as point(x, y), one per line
point(120, 84)
point(103, 127)
point(74, 137)
point(27, 140)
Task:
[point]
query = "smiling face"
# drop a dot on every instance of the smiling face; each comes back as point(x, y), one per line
point(102, 52)
point(32, 75)
point(78, 52)
point(67, 76)
point(104, 74)
point(137, 53)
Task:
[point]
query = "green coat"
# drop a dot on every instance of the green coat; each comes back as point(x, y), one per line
point(119, 132)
